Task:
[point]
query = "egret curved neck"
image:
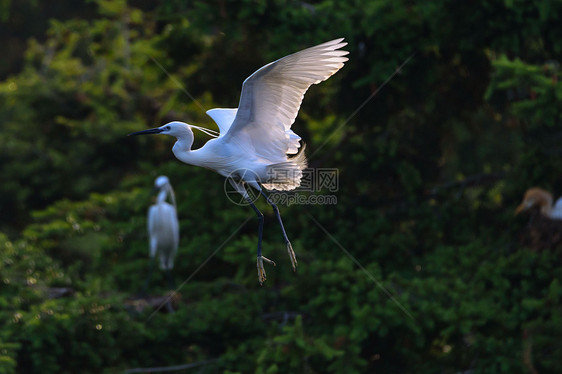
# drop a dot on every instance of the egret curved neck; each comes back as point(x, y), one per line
point(183, 152)
point(182, 147)
point(162, 196)
point(545, 202)
point(546, 209)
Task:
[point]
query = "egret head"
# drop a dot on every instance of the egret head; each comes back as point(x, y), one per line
point(161, 182)
point(164, 188)
point(179, 130)
point(535, 197)
point(175, 128)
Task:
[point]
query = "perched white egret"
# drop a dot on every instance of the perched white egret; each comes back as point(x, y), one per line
point(536, 196)
point(163, 228)
point(256, 139)
point(544, 229)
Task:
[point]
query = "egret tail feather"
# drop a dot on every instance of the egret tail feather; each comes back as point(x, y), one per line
point(286, 176)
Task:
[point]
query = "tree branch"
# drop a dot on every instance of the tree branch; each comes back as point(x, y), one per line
point(169, 368)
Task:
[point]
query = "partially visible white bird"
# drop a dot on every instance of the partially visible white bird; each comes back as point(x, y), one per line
point(536, 196)
point(256, 139)
point(163, 228)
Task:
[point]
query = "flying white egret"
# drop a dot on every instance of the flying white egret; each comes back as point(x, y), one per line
point(256, 139)
point(543, 199)
point(163, 229)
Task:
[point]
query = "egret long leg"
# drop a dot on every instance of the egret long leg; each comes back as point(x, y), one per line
point(260, 259)
point(172, 286)
point(144, 291)
point(170, 279)
point(290, 251)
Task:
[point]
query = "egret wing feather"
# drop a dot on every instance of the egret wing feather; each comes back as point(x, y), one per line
point(557, 209)
point(223, 117)
point(271, 98)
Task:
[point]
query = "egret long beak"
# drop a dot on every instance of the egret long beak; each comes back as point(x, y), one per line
point(157, 130)
point(523, 206)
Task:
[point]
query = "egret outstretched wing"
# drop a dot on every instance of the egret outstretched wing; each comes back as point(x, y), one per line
point(272, 96)
point(223, 117)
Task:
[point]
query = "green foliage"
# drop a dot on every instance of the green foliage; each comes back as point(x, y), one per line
point(430, 170)
point(293, 350)
point(8, 357)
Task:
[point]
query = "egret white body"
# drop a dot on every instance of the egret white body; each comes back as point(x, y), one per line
point(543, 199)
point(163, 226)
point(255, 142)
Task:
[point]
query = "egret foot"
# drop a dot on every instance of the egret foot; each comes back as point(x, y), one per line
point(292, 256)
point(261, 270)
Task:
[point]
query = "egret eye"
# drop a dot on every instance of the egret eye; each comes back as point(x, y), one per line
point(168, 128)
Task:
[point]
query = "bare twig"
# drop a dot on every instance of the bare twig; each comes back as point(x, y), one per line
point(161, 369)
